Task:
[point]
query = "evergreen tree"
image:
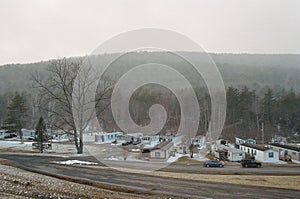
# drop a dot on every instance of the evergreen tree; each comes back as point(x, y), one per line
point(233, 100)
point(246, 108)
point(16, 115)
point(41, 135)
point(268, 104)
point(2, 109)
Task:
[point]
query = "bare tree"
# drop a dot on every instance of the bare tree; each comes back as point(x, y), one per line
point(65, 76)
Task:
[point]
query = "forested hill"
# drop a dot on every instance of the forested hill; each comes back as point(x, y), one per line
point(256, 71)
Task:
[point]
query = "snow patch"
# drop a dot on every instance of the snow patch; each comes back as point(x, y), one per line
point(295, 161)
point(5, 144)
point(280, 162)
point(13, 144)
point(112, 158)
point(71, 162)
point(135, 150)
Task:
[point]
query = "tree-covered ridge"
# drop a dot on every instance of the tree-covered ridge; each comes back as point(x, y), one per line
point(255, 71)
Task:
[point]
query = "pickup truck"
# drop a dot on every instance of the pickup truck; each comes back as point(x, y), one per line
point(250, 163)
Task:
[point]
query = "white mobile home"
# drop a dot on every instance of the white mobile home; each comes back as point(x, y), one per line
point(90, 137)
point(125, 139)
point(261, 153)
point(287, 152)
point(107, 137)
point(241, 140)
point(198, 141)
point(235, 155)
point(148, 140)
point(229, 153)
point(175, 138)
point(28, 134)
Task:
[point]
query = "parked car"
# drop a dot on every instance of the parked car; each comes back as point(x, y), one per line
point(11, 135)
point(126, 143)
point(250, 163)
point(213, 163)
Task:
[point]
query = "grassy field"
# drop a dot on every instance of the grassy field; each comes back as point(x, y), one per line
point(285, 182)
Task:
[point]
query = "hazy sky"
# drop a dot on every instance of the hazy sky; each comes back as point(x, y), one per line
point(34, 30)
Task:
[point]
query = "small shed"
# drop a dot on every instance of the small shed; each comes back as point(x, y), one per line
point(162, 151)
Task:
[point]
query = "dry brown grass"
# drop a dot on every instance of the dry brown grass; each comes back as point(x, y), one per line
point(289, 164)
point(285, 182)
point(186, 160)
point(6, 162)
point(12, 150)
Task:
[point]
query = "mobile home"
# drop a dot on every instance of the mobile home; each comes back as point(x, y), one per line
point(261, 153)
point(287, 152)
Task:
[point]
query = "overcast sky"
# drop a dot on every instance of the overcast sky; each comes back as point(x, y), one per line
point(34, 30)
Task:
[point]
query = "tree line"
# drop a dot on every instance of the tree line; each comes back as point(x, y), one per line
point(248, 114)
point(261, 117)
